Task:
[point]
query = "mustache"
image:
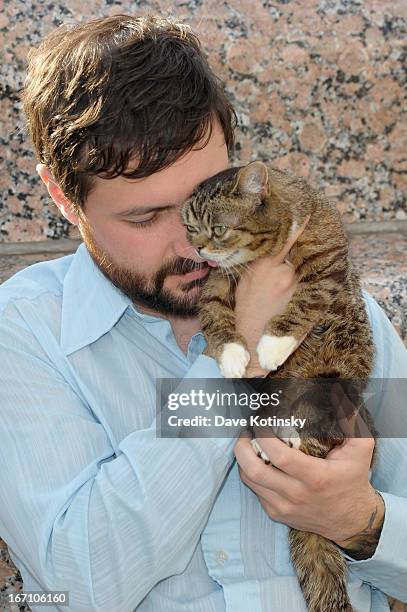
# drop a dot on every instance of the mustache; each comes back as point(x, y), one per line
point(181, 266)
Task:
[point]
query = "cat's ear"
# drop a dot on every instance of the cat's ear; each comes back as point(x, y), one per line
point(252, 180)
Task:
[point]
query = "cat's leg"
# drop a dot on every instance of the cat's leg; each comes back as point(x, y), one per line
point(310, 403)
point(224, 343)
point(283, 333)
point(273, 350)
point(218, 324)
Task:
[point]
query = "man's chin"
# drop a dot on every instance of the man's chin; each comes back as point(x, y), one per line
point(182, 303)
point(190, 290)
point(176, 308)
point(171, 303)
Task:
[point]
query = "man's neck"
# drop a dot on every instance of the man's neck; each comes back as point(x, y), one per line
point(183, 327)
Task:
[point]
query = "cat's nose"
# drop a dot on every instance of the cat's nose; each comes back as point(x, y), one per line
point(200, 251)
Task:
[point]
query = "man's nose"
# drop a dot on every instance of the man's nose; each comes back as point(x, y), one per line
point(181, 245)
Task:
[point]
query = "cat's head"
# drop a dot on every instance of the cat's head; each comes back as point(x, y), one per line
point(226, 216)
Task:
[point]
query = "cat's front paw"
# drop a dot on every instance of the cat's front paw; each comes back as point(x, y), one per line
point(233, 360)
point(259, 451)
point(293, 441)
point(274, 350)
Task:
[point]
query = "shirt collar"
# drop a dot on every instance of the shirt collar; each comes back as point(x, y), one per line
point(91, 304)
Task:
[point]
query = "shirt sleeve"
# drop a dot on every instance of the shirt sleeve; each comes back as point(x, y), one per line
point(106, 527)
point(386, 570)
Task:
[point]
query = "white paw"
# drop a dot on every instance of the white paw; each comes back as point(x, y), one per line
point(233, 360)
point(259, 451)
point(274, 350)
point(291, 437)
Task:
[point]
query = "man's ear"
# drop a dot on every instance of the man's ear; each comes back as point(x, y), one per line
point(64, 205)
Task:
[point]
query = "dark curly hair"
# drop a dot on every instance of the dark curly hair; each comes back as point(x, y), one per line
point(101, 93)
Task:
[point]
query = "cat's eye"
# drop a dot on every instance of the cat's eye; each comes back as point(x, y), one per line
point(191, 229)
point(219, 230)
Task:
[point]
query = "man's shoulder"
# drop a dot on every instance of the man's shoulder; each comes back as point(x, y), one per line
point(45, 277)
point(391, 354)
point(377, 315)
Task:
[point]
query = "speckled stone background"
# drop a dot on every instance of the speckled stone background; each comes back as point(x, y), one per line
point(319, 87)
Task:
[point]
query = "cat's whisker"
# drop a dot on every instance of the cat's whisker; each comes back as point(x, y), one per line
point(232, 269)
point(232, 272)
point(224, 273)
point(190, 251)
point(236, 268)
point(244, 266)
point(189, 248)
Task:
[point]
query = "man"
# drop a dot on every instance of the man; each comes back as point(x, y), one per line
point(92, 502)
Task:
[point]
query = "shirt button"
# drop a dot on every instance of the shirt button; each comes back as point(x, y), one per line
point(221, 556)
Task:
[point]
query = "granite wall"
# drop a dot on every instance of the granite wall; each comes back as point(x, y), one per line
point(318, 85)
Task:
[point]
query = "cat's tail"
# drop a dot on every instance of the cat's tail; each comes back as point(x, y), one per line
point(321, 571)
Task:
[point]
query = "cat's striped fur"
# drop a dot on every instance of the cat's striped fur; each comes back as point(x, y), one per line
point(237, 216)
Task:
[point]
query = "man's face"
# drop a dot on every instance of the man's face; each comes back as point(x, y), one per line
point(132, 229)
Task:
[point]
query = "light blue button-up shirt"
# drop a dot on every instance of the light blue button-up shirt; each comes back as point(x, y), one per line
point(93, 503)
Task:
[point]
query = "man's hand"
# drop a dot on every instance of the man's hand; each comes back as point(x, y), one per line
point(331, 496)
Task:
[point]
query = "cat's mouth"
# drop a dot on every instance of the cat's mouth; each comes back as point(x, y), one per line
point(222, 261)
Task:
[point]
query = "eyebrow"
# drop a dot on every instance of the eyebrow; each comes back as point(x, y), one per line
point(142, 210)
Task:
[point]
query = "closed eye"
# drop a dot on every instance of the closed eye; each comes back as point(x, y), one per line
point(191, 229)
point(144, 223)
point(148, 217)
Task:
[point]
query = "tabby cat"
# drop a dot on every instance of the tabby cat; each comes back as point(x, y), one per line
point(243, 213)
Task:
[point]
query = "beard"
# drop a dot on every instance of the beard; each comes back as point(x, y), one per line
point(148, 292)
